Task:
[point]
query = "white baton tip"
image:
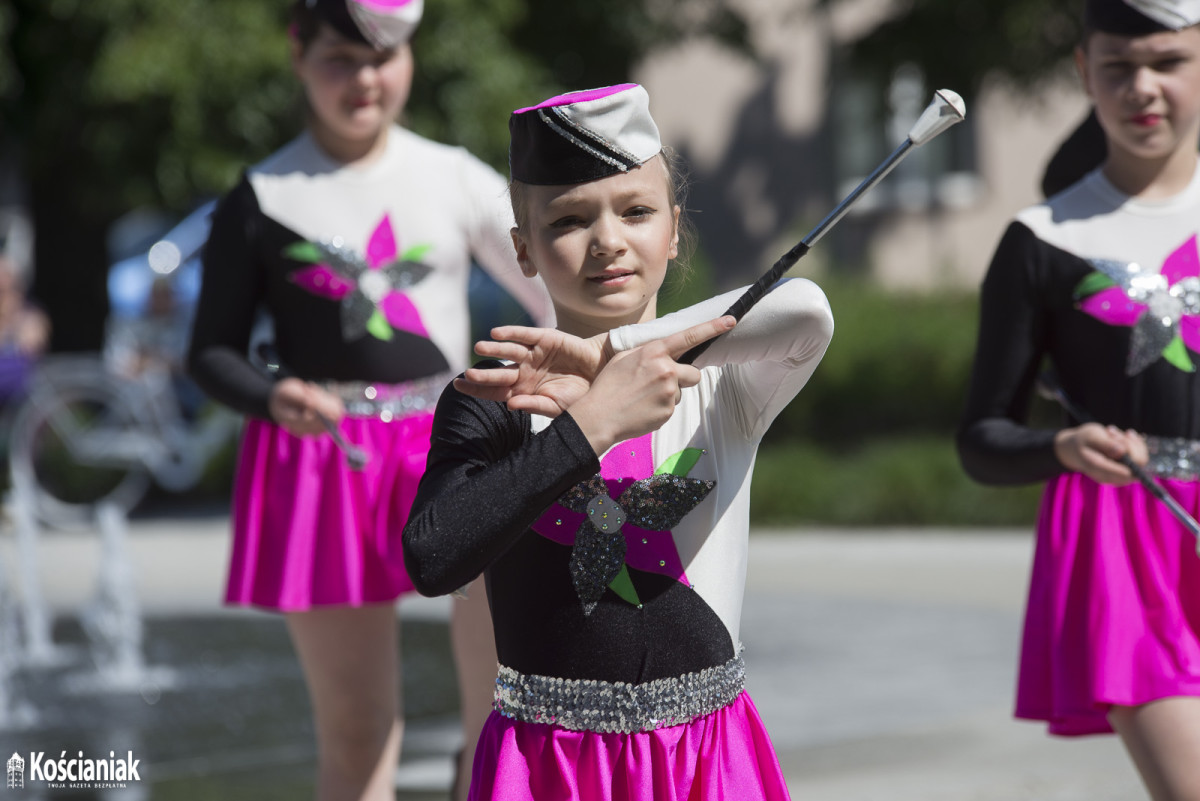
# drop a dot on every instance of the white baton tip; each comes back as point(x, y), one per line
point(946, 109)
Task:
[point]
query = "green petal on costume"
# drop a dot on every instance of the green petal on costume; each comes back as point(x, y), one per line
point(303, 251)
point(379, 327)
point(622, 585)
point(1177, 354)
point(1093, 283)
point(681, 463)
point(416, 252)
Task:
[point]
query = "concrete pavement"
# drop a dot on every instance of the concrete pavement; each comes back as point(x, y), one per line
point(882, 661)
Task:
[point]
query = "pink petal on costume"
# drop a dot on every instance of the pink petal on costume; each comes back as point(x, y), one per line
point(1183, 263)
point(320, 279)
point(653, 552)
point(1189, 330)
point(384, 5)
point(402, 314)
point(1113, 306)
point(382, 246)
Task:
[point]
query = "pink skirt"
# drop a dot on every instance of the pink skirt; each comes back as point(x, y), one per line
point(1114, 604)
point(309, 531)
point(724, 755)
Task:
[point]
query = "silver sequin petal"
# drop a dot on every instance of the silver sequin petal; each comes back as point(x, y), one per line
point(658, 503)
point(356, 311)
point(1150, 335)
point(596, 559)
point(404, 274)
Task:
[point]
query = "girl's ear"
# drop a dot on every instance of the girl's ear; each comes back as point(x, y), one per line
point(527, 266)
point(673, 252)
point(1081, 68)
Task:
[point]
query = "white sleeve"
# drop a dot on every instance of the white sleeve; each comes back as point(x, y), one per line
point(769, 355)
point(491, 241)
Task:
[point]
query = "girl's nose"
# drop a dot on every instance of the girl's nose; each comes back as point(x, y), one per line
point(366, 73)
point(606, 238)
point(1143, 85)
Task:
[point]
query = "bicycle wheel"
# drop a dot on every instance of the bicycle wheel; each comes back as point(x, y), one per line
point(75, 448)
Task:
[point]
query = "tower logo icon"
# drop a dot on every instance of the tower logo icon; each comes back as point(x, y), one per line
point(16, 771)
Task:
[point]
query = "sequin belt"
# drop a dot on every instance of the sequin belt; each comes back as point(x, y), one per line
point(389, 402)
point(1174, 457)
point(605, 707)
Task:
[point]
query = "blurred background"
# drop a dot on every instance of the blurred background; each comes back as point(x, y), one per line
point(119, 119)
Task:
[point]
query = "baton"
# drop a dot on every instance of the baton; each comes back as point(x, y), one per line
point(356, 457)
point(946, 109)
point(1050, 389)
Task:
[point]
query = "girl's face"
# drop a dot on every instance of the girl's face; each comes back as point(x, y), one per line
point(354, 91)
point(1146, 90)
point(601, 247)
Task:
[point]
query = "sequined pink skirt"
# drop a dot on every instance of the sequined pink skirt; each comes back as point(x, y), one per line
point(723, 755)
point(1114, 604)
point(309, 531)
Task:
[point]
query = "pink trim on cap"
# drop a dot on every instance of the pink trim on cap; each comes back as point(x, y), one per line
point(383, 5)
point(581, 96)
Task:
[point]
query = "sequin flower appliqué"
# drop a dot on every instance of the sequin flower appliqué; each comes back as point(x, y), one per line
point(1163, 308)
point(613, 520)
point(370, 288)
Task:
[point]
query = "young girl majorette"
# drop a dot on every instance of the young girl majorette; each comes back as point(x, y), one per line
point(612, 524)
point(356, 238)
point(1103, 282)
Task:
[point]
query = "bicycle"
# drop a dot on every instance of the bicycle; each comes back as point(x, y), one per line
point(86, 435)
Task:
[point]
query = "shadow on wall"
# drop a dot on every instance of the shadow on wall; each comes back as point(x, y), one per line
point(768, 191)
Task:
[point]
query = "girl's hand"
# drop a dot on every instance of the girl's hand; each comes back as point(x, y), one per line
point(295, 404)
point(637, 391)
point(1095, 450)
point(550, 370)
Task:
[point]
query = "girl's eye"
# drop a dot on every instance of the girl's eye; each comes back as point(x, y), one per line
point(639, 212)
point(565, 222)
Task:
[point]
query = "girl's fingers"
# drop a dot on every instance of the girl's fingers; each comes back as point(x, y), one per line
point(480, 391)
point(681, 342)
point(509, 351)
point(522, 334)
point(687, 376)
point(535, 404)
point(498, 377)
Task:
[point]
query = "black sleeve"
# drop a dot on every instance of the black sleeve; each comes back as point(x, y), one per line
point(486, 482)
point(230, 293)
point(994, 444)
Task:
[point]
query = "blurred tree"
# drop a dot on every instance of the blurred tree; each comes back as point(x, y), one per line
point(960, 43)
point(125, 103)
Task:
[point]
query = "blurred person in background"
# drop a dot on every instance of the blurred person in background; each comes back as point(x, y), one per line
point(357, 239)
point(1103, 282)
point(24, 332)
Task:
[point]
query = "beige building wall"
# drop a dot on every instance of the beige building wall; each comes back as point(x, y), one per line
point(717, 105)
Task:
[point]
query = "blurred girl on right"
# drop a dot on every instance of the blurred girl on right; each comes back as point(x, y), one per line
point(1103, 282)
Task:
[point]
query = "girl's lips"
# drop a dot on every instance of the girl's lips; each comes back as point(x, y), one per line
point(610, 279)
point(1145, 120)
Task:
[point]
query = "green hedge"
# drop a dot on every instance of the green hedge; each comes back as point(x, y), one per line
point(870, 440)
point(905, 481)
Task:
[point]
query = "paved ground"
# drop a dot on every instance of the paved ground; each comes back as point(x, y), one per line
point(882, 661)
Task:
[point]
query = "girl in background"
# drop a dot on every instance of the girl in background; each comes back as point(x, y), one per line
point(1103, 281)
point(356, 238)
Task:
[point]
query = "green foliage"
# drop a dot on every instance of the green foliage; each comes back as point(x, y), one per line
point(897, 363)
point(888, 481)
point(961, 42)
